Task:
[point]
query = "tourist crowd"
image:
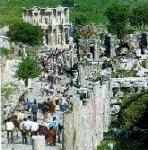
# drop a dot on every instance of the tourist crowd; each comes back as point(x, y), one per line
point(32, 118)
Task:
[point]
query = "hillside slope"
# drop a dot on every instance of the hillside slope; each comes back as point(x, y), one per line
point(11, 10)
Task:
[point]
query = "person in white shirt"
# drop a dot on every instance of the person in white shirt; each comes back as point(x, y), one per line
point(27, 125)
point(23, 131)
point(34, 127)
point(9, 128)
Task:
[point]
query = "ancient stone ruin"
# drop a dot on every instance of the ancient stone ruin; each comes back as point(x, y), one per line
point(54, 22)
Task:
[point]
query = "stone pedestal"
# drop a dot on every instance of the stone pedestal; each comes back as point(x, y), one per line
point(38, 143)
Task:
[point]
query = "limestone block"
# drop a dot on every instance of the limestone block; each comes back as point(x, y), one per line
point(38, 143)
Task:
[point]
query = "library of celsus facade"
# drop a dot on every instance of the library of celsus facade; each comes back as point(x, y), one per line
point(54, 22)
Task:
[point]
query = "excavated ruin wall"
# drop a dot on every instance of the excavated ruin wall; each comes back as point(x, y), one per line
point(84, 127)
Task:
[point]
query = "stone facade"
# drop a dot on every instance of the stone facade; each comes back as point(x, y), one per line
point(4, 40)
point(85, 125)
point(54, 22)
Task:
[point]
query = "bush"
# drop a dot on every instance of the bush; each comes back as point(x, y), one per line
point(117, 15)
point(113, 144)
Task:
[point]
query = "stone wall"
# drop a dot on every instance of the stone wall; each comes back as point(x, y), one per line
point(84, 126)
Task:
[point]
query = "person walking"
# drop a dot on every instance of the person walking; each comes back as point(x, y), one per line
point(51, 136)
point(27, 128)
point(34, 110)
point(34, 128)
point(27, 105)
point(45, 109)
point(9, 128)
point(24, 131)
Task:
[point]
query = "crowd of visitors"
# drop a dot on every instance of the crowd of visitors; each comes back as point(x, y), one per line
point(31, 117)
point(37, 119)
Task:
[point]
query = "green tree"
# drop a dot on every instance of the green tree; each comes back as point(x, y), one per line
point(139, 15)
point(112, 144)
point(133, 109)
point(28, 68)
point(68, 3)
point(80, 19)
point(26, 33)
point(117, 15)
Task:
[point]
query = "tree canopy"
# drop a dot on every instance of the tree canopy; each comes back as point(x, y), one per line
point(28, 68)
point(68, 3)
point(133, 109)
point(81, 19)
point(139, 14)
point(117, 15)
point(25, 33)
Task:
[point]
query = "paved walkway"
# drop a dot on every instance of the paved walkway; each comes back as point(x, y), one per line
point(19, 146)
point(26, 147)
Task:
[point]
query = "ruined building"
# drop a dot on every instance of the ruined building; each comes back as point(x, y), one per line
point(54, 22)
point(85, 125)
point(96, 101)
point(4, 40)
